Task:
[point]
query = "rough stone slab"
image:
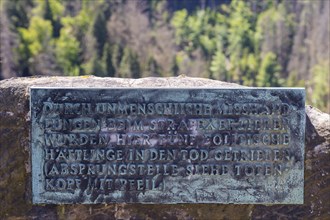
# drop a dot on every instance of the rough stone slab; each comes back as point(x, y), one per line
point(15, 167)
point(168, 145)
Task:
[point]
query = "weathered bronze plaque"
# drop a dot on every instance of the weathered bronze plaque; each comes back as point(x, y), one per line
point(168, 145)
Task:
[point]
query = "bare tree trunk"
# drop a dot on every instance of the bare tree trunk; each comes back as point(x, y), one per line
point(6, 45)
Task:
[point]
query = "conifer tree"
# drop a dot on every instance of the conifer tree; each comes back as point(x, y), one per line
point(152, 67)
point(109, 68)
point(175, 67)
point(129, 65)
point(117, 53)
point(100, 32)
point(52, 11)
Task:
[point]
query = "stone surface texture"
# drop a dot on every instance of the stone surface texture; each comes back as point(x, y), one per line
point(15, 167)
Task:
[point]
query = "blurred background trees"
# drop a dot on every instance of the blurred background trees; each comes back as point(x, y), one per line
point(254, 43)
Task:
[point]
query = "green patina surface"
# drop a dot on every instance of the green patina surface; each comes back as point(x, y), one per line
point(202, 115)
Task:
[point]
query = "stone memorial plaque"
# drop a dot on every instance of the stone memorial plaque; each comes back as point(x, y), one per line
point(92, 145)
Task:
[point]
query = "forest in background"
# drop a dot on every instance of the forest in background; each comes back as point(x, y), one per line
point(253, 43)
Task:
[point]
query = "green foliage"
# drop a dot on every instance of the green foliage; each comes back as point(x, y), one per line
point(178, 22)
point(18, 11)
point(218, 66)
point(320, 84)
point(274, 30)
point(175, 66)
point(67, 49)
point(240, 39)
point(153, 68)
point(95, 67)
point(51, 10)
point(117, 54)
point(36, 38)
point(254, 43)
point(269, 71)
point(100, 32)
point(129, 65)
point(294, 81)
point(201, 30)
point(109, 69)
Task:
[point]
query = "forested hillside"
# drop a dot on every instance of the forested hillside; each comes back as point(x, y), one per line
point(254, 43)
